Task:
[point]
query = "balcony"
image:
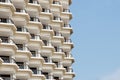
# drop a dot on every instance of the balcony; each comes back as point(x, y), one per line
point(33, 8)
point(66, 14)
point(46, 32)
point(7, 9)
point(21, 36)
point(35, 42)
point(67, 30)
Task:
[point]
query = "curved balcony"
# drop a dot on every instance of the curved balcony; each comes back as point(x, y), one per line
point(33, 9)
point(68, 61)
point(57, 39)
point(21, 37)
point(67, 46)
point(67, 30)
point(34, 28)
point(8, 48)
point(58, 71)
point(23, 74)
point(56, 24)
point(35, 42)
point(20, 18)
point(56, 7)
point(46, 15)
point(6, 9)
point(37, 77)
point(66, 14)
point(20, 3)
point(7, 28)
point(22, 55)
point(58, 56)
point(68, 76)
point(9, 68)
point(47, 49)
point(48, 67)
point(45, 2)
point(46, 32)
point(36, 61)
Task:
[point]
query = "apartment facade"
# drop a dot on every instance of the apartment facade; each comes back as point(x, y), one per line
point(35, 40)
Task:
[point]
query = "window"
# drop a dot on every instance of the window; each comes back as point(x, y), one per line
point(34, 70)
point(19, 28)
point(33, 53)
point(30, 1)
point(5, 77)
point(20, 64)
point(46, 74)
point(56, 63)
point(56, 2)
point(66, 68)
point(6, 59)
point(2, 0)
point(45, 10)
point(32, 36)
point(4, 39)
point(56, 78)
point(20, 46)
point(18, 10)
point(45, 42)
point(45, 58)
point(4, 20)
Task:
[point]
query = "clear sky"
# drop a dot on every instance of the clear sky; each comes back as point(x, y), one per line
point(96, 25)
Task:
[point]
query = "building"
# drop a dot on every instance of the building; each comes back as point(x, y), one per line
point(35, 40)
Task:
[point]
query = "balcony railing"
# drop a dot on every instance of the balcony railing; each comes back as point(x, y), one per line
point(6, 20)
point(22, 29)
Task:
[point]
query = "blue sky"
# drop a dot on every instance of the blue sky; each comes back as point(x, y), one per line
point(96, 25)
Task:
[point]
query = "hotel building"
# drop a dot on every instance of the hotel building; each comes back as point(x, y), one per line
point(35, 40)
